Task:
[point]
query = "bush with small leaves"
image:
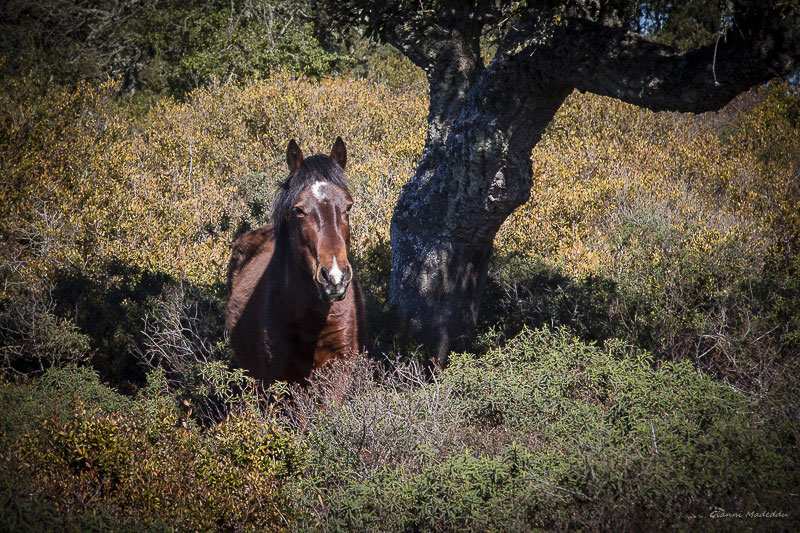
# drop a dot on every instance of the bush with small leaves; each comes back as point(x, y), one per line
point(544, 432)
point(144, 461)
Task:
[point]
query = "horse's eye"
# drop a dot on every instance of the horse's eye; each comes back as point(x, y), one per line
point(299, 211)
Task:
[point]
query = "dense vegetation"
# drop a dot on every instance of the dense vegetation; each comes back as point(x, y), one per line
point(162, 46)
point(636, 362)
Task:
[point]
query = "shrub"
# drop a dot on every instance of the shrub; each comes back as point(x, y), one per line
point(166, 192)
point(35, 338)
point(184, 336)
point(362, 416)
point(528, 291)
point(143, 462)
point(159, 46)
point(543, 432)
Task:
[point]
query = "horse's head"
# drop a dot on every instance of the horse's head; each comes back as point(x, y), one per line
point(312, 216)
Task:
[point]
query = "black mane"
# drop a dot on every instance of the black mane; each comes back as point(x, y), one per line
point(315, 168)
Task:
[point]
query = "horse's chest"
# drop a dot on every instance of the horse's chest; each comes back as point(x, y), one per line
point(323, 343)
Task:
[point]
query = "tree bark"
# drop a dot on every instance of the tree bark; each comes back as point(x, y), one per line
point(475, 171)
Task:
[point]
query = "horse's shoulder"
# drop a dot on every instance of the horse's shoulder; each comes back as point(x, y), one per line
point(249, 245)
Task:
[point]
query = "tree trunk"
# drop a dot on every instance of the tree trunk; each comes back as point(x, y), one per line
point(483, 123)
point(475, 171)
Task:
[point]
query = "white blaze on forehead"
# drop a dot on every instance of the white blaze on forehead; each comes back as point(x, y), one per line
point(316, 190)
point(335, 273)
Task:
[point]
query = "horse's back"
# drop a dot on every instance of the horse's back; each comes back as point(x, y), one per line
point(249, 259)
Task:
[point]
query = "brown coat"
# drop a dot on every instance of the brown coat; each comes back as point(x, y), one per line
point(294, 304)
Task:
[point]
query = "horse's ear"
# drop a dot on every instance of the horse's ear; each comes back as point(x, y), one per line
point(294, 156)
point(339, 152)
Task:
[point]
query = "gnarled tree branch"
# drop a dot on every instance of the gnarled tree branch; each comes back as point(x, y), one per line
point(761, 44)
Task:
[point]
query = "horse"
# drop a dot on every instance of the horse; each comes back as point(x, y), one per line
point(294, 303)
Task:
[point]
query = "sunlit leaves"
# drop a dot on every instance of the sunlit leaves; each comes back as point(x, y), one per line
point(87, 183)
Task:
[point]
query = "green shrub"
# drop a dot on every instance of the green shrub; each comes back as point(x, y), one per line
point(33, 337)
point(545, 432)
point(657, 227)
point(734, 320)
point(37, 339)
point(524, 291)
point(136, 464)
point(162, 46)
point(53, 395)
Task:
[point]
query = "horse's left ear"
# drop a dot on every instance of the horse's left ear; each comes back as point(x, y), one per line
point(339, 152)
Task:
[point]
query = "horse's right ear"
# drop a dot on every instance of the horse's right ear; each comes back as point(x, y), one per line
point(294, 156)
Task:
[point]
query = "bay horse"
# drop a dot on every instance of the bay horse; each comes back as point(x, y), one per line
point(294, 303)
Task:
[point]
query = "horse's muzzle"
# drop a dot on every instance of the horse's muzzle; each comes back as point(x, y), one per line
point(332, 285)
point(334, 296)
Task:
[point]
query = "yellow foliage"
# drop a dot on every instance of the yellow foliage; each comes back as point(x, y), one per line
point(87, 184)
point(149, 466)
point(604, 166)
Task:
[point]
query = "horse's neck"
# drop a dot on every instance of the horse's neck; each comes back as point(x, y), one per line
point(295, 290)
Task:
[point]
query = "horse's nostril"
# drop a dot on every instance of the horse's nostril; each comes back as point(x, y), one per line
point(323, 273)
